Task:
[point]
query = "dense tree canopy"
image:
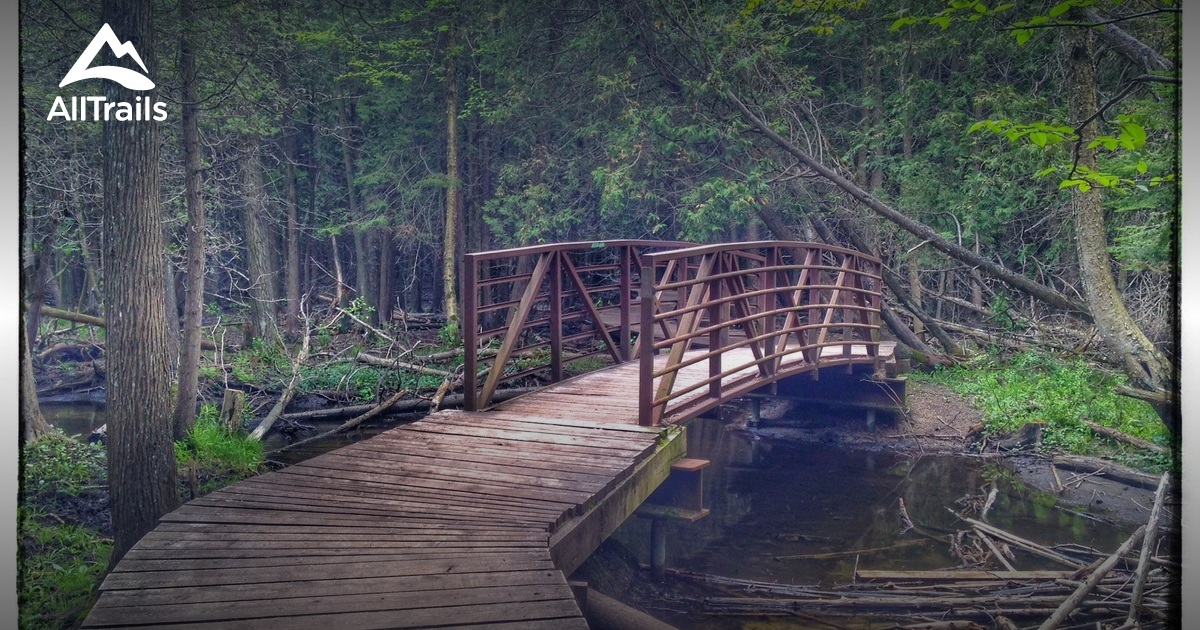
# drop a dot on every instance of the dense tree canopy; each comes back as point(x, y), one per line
point(340, 137)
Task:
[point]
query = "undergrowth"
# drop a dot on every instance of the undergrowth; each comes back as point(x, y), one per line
point(63, 551)
point(222, 454)
point(1033, 387)
point(63, 517)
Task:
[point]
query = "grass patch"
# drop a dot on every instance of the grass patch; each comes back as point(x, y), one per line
point(63, 551)
point(1035, 387)
point(217, 450)
point(60, 567)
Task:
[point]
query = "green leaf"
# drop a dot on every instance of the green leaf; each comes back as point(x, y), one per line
point(1142, 167)
point(1038, 138)
point(943, 21)
point(977, 126)
point(1061, 8)
point(1046, 171)
point(1022, 35)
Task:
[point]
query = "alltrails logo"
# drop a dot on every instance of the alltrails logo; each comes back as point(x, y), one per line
point(98, 106)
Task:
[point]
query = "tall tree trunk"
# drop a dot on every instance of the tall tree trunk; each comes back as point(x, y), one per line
point(258, 247)
point(450, 238)
point(33, 423)
point(141, 456)
point(193, 303)
point(363, 259)
point(1145, 365)
point(385, 274)
point(292, 266)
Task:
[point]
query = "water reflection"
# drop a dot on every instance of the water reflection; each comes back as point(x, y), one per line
point(807, 513)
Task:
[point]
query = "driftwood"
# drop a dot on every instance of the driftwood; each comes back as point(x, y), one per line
point(1143, 566)
point(349, 424)
point(1111, 470)
point(1121, 436)
point(288, 392)
point(1077, 598)
point(371, 359)
point(852, 552)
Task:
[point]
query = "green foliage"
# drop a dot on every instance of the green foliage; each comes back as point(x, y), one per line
point(212, 446)
point(1034, 387)
point(60, 567)
point(448, 334)
point(57, 462)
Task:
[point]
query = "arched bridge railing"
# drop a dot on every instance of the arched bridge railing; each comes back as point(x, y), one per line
point(538, 309)
point(757, 312)
point(751, 312)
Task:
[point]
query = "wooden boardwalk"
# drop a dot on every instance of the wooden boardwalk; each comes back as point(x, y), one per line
point(456, 520)
point(474, 518)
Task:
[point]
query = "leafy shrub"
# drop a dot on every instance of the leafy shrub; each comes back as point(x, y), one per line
point(1035, 387)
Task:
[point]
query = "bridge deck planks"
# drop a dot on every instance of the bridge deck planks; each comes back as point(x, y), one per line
point(444, 522)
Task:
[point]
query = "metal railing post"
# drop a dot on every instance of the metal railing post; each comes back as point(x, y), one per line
point(556, 332)
point(470, 326)
point(646, 416)
point(626, 300)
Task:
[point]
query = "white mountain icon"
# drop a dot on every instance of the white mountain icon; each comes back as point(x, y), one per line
point(126, 77)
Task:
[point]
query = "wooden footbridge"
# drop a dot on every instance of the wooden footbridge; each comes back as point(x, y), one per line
point(473, 518)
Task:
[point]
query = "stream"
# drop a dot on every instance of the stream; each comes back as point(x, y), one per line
point(805, 514)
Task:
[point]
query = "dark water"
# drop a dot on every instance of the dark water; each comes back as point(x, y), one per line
point(772, 500)
point(75, 419)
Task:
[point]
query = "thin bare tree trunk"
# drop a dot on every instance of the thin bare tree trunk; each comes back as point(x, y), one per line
point(450, 238)
point(189, 356)
point(33, 423)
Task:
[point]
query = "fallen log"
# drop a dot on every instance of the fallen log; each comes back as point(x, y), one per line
point(288, 392)
point(1143, 566)
point(1121, 436)
point(371, 359)
point(92, 320)
point(347, 425)
point(1106, 468)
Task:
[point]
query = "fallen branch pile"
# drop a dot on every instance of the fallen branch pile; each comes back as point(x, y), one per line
point(1128, 588)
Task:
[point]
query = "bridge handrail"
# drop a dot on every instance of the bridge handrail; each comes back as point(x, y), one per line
point(534, 279)
point(759, 282)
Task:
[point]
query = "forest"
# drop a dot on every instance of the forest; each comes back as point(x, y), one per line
point(322, 167)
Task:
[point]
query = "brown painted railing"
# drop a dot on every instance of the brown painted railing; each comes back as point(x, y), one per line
point(536, 309)
point(795, 306)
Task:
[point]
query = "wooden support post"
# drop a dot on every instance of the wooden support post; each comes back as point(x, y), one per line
point(658, 549)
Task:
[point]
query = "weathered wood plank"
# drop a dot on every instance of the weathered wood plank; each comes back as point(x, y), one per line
point(400, 602)
point(419, 618)
point(121, 580)
point(330, 588)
